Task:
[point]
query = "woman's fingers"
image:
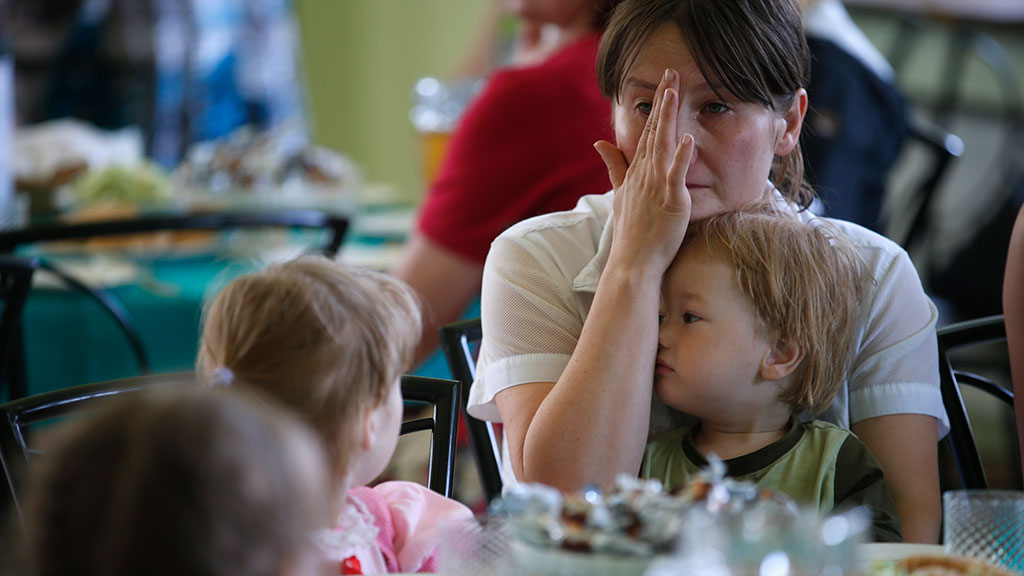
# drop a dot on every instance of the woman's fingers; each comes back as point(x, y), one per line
point(679, 196)
point(615, 160)
point(665, 135)
point(645, 145)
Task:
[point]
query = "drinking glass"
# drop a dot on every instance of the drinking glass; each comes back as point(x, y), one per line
point(985, 524)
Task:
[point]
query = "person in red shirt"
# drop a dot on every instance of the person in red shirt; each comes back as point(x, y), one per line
point(523, 147)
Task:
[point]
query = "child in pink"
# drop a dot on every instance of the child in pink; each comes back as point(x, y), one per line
point(330, 342)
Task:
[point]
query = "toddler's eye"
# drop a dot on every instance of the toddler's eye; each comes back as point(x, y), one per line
point(644, 108)
point(661, 319)
point(690, 318)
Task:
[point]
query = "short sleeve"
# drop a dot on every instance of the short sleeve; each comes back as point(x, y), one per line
point(421, 518)
point(895, 370)
point(530, 317)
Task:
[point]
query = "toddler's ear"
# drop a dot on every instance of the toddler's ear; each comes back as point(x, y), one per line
point(369, 430)
point(782, 359)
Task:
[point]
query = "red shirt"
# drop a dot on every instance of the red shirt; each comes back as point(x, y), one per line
point(524, 147)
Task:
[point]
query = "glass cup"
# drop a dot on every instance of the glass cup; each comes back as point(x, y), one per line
point(985, 524)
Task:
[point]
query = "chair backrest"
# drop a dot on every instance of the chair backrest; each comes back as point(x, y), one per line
point(17, 418)
point(15, 282)
point(308, 219)
point(942, 148)
point(443, 396)
point(11, 240)
point(961, 434)
point(460, 342)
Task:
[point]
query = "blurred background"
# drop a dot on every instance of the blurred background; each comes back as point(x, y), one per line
point(349, 70)
point(362, 60)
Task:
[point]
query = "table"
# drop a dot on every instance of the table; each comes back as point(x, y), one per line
point(997, 11)
point(70, 340)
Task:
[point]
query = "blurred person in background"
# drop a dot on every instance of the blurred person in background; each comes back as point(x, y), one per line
point(857, 119)
point(523, 147)
point(184, 71)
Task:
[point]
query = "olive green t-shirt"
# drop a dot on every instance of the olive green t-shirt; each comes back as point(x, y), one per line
point(814, 463)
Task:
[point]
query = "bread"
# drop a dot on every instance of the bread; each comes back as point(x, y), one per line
point(935, 565)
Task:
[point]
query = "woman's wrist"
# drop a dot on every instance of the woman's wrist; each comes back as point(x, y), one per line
point(639, 270)
point(636, 275)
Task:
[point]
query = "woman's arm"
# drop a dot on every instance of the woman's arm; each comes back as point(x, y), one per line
point(907, 447)
point(592, 423)
point(1013, 310)
point(445, 281)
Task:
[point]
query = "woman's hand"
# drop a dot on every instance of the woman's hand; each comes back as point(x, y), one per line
point(652, 204)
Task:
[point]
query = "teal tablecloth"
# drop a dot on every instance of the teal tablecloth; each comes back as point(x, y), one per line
point(70, 340)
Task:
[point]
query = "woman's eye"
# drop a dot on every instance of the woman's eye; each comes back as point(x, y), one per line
point(716, 108)
point(661, 319)
point(644, 108)
point(690, 318)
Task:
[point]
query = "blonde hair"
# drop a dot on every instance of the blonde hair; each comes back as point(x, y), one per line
point(803, 280)
point(322, 338)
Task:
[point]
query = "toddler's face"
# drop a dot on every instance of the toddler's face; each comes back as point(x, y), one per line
point(387, 418)
point(709, 348)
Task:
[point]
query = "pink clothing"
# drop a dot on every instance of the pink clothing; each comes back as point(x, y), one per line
point(391, 527)
point(524, 147)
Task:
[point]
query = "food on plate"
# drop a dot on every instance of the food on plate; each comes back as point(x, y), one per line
point(248, 161)
point(941, 565)
point(137, 184)
point(636, 518)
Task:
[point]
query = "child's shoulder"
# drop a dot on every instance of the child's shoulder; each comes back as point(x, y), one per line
point(670, 436)
point(827, 431)
point(407, 498)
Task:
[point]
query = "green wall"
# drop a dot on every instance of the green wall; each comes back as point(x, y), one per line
point(362, 58)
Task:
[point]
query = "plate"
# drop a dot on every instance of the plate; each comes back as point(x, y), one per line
point(93, 272)
point(893, 551)
point(538, 561)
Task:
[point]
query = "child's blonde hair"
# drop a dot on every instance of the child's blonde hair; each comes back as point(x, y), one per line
point(803, 279)
point(322, 338)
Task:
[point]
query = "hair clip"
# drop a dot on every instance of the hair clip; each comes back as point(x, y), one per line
point(222, 376)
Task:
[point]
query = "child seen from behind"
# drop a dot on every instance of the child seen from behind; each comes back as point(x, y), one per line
point(174, 482)
point(756, 327)
point(330, 342)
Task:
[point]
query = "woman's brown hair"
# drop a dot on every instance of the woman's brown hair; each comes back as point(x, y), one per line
point(322, 338)
point(753, 49)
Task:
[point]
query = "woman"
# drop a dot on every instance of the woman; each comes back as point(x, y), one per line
point(708, 104)
point(505, 163)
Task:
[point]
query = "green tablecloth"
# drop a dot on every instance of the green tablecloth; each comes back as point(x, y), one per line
point(70, 340)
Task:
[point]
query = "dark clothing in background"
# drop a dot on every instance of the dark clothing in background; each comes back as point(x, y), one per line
point(855, 126)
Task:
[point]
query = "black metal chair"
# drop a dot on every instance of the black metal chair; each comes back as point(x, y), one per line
point(15, 283)
point(941, 148)
point(443, 396)
point(460, 342)
point(961, 439)
point(19, 417)
point(11, 240)
point(336, 225)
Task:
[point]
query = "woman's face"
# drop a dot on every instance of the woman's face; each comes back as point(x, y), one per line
point(735, 142)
